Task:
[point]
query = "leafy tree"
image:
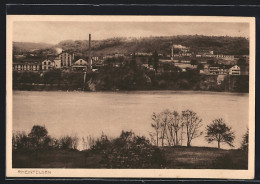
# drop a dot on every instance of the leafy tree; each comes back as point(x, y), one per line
point(150, 61)
point(169, 67)
point(20, 140)
point(211, 62)
point(69, 142)
point(129, 151)
point(220, 132)
point(192, 123)
point(52, 77)
point(244, 144)
point(37, 135)
point(194, 62)
point(241, 62)
point(200, 66)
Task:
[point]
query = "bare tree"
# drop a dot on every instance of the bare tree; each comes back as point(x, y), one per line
point(167, 125)
point(156, 125)
point(75, 142)
point(192, 123)
point(84, 143)
point(176, 123)
point(153, 138)
point(165, 119)
point(220, 132)
point(182, 132)
point(91, 141)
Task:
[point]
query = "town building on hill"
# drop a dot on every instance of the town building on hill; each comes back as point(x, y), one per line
point(80, 64)
point(182, 51)
point(218, 70)
point(234, 70)
point(225, 57)
point(57, 62)
point(66, 59)
point(47, 64)
point(224, 70)
point(32, 66)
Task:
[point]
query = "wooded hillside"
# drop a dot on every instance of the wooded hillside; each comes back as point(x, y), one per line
point(219, 44)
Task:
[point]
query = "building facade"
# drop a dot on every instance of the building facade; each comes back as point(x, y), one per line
point(234, 70)
point(66, 59)
point(47, 64)
point(26, 66)
point(57, 62)
point(80, 64)
point(225, 57)
point(216, 70)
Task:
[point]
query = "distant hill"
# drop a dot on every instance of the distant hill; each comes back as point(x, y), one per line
point(31, 45)
point(219, 44)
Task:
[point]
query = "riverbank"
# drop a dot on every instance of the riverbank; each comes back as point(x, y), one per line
point(127, 79)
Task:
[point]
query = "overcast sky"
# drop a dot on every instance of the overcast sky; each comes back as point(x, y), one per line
point(54, 32)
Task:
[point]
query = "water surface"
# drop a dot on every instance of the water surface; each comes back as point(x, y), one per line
point(90, 113)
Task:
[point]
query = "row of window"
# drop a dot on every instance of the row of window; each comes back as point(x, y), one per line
point(46, 68)
point(26, 66)
point(46, 63)
point(27, 69)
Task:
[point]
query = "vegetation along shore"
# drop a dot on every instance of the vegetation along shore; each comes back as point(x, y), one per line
point(169, 146)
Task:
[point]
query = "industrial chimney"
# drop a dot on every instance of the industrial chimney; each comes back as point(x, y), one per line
point(172, 53)
point(89, 53)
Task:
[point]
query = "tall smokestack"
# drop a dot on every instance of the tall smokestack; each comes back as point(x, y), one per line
point(172, 53)
point(89, 53)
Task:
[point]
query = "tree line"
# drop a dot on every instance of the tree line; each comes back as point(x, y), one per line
point(38, 139)
point(126, 151)
point(127, 77)
point(171, 128)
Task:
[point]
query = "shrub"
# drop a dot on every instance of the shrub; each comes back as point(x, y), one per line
point(244, 143)
point(129, 151)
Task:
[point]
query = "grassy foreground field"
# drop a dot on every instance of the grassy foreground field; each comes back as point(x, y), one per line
point(205, 158)
point(175, 158)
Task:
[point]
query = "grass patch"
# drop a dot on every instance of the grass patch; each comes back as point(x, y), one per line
point(175, 158)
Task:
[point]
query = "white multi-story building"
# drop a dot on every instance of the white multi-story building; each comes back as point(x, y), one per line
point(66, 59)
point(80, 64)
point(225, 57)
point(47, 64)
point(234, 70)
point(57, 62)
point(26, 66)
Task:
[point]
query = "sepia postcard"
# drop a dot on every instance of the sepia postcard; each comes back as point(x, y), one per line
point(130, 96)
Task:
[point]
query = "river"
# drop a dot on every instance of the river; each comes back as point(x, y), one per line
point(90, 113)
